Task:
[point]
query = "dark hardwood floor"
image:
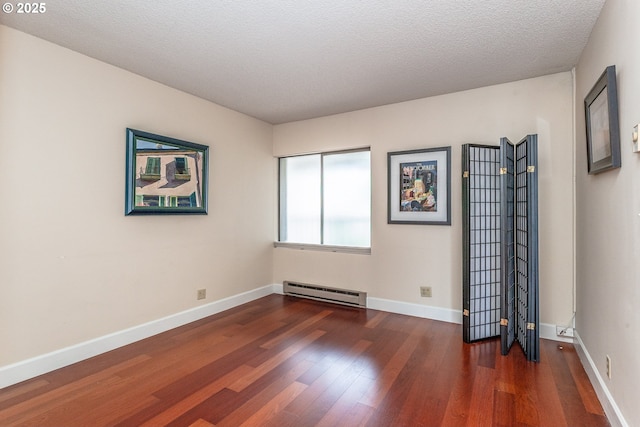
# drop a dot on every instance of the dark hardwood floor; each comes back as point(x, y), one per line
point(281, 361)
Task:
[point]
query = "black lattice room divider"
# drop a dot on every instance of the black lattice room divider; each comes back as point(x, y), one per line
point(500, 244)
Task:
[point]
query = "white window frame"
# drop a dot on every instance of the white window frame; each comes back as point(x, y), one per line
point(322, 247)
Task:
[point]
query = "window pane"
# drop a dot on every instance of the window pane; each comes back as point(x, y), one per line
point(347, 199)
point(300, 204)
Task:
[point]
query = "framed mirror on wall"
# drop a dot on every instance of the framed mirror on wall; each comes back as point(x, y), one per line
point(165, 175)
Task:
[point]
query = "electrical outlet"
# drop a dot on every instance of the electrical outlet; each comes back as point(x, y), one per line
point(202, 293)
point(425, 291)
point(608, 367)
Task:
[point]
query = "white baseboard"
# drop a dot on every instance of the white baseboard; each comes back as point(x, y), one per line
point(611, 409)
point(23, 370)
point(417, 310)
point(26, 369)
point(547, 331)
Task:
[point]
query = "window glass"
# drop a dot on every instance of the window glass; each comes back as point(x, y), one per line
point(347, 199)
point(325, 199)
point(300, 199)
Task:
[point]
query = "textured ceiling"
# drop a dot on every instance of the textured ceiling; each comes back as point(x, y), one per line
point(287, 60)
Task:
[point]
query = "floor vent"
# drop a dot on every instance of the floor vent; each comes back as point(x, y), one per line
point(323, 293)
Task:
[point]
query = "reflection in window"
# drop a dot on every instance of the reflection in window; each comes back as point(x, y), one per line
point(183, 201)
point(167, 201)
point(151, 200)
point(182, 169)
point(152, 169)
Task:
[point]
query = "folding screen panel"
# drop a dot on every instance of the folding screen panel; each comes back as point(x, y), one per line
point(507, 264)
point(526, 251)
point(500, 244)
point(481, 242)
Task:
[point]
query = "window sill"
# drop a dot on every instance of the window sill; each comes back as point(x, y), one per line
point(323, 248)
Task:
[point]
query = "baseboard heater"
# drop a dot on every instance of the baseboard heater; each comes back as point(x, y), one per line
point(327, 294)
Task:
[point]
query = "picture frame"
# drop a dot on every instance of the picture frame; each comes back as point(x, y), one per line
point(165, 175)
point(602, 126)
point(419, 186)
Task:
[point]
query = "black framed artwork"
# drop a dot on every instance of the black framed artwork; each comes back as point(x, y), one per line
point(419, 186)
point(603, 130)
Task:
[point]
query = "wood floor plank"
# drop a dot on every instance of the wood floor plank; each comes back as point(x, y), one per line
point(221, 327)
point(213, 409)
point(415, 392)
point(399, 406)
point(587, 393)
point(503, 408)
point(344, 411)
point(275, 405)
point(547, 392)
point(128, 384)
point(276, 360)
point(221, 405)
point(67, 393)
point(332, 393)
point(436, 375)
point(527, 409)
point(306, 405)
point(238, 350)
point(389, 373)
point(482, 396)
point(201, 423)
point(296, 329)
point(41, 411)
point(574, 409)
point(287, 362)
point(267, 412)
point(506, 375)
point(22, 389)
point(375, 320)
point(462, 373)
point(270, 400)
point(194, 399)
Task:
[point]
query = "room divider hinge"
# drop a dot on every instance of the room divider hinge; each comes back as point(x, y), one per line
point(531, 169)
point(531, 326)
point(503, 171)
point(465, 174)
point(465, 312)
point(504, 322)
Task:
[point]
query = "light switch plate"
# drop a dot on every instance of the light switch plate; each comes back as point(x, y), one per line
point(636, 144)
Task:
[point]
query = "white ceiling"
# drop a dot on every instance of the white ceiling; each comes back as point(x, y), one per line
point(287, 60)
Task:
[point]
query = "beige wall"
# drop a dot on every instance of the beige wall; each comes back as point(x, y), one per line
point(72, 266)
point(404, 257)
point(607, 214)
